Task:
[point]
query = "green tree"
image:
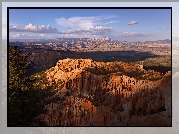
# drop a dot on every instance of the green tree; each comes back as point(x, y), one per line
point(18, 73)
point(18, 82)
point(26, 93)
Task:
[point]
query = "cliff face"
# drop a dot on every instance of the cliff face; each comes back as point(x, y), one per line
point(102, 94)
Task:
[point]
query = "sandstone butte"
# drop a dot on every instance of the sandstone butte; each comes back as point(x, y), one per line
point(102, 94)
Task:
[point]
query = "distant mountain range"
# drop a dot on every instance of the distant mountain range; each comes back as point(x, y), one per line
point(83, 39)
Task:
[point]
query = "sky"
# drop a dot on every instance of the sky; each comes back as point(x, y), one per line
point(119, 32)
point(117, 24)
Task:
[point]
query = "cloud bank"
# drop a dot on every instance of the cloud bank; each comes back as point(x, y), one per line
point(25, 36)
point(134, 34)
point(82, 22)
point(77, 27)
point(33, 28)
point(98, 30)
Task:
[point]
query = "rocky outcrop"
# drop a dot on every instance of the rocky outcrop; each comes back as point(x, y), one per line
point(69, 68)
point(102, 94)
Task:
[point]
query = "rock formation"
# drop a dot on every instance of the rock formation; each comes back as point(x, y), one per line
point(102, 94)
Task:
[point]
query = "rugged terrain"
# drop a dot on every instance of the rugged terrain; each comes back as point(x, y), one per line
point(91, 93)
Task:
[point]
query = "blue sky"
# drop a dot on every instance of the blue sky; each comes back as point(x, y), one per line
point(120, 24)
point(174, 5)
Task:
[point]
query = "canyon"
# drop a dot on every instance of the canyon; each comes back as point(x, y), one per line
point(116, 93)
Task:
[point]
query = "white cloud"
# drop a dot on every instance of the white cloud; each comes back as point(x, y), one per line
point(16, 27)
point(90, 32)
point(111, 22)
point(82, 22)
point(132, 23)
point(79, 22)
point(20, 35)
point(108, 16)
point(42, 35)
point(34, 28)
point(25, 36)
point(133, 34)
point(97, 30)
point(77, 26)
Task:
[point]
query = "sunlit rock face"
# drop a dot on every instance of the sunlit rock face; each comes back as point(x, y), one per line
point(102, 94)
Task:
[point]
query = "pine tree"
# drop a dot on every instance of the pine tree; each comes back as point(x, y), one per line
point(18, 82)
point(18, 73)
point(25, 98)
